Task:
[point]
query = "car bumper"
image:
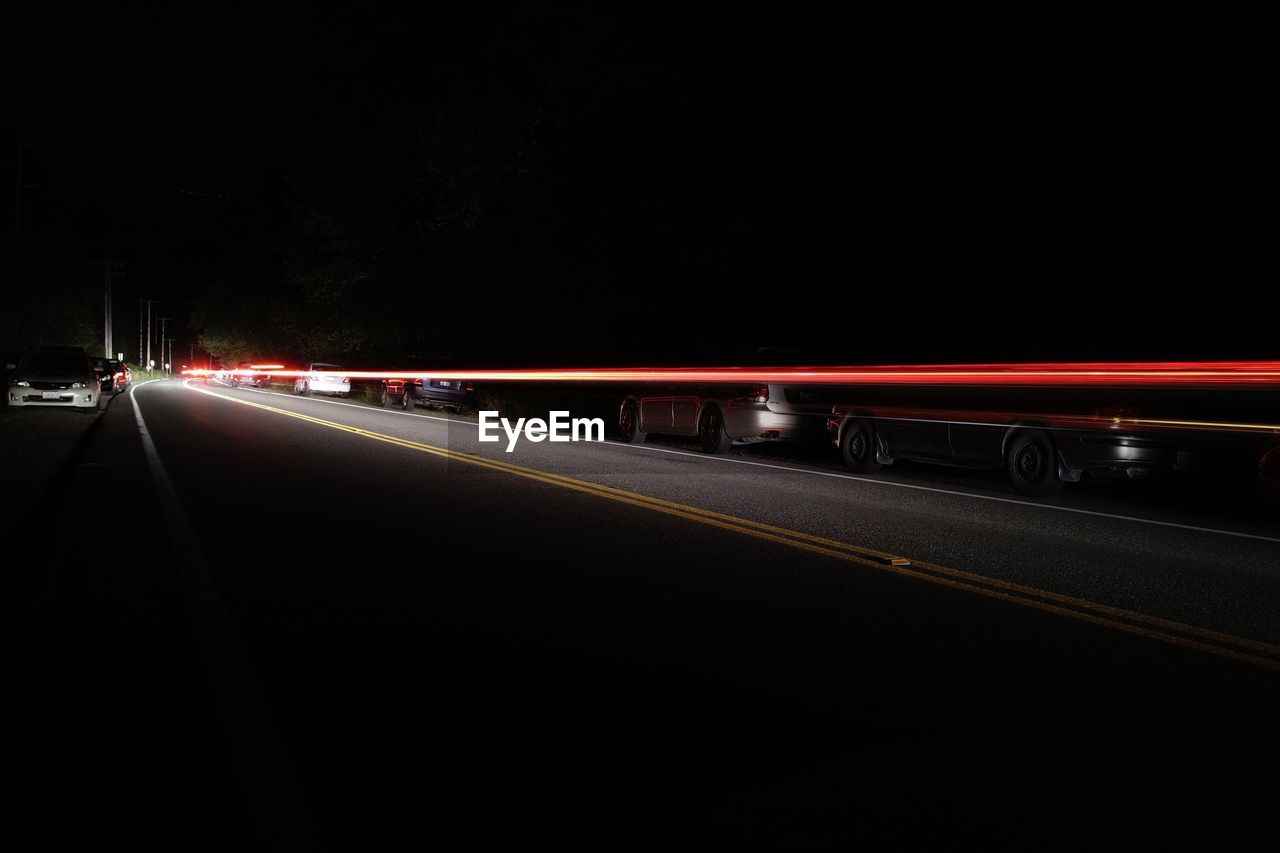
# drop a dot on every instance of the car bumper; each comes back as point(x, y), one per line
point(328, 387)
point(755, 422)
point(1101, 451)
point(72, 399)
point(444, 398)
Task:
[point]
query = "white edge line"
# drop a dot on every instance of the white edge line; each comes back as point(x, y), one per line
point(267, 777)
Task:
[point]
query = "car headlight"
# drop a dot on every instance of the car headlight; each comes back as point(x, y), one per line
point(22, 383)
point(77, 384)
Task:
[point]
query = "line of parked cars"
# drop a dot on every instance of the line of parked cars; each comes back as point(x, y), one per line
point(429, 390)
point(1040, 438)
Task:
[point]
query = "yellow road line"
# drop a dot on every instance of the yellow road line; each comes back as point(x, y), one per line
point(1141, 624)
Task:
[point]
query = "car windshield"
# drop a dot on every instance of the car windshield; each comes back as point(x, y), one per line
point(325, 367)
point(55, 362)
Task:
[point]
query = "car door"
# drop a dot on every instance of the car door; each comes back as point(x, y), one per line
point(686, 401)
point(655, 408)
point(910, 428)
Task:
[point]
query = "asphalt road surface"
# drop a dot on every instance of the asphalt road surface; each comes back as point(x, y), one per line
point(343, 625)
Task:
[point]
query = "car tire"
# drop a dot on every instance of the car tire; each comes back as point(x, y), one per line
point(384, 399)
point(1031, 464)
point(711, 431)
point(629, 423)
point(406, 400)
point(858, 447)
point(306, 389)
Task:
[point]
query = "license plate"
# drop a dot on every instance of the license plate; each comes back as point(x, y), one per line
point(51, 395)
point(445, 383)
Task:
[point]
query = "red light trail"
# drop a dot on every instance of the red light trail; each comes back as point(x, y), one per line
point(1165, 374)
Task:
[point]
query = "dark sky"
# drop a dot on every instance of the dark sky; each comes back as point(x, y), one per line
point(649, 181)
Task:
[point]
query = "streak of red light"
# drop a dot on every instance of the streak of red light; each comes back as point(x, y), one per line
point(1116, 374)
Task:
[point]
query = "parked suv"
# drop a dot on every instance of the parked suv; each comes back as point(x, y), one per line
point(431, 391)
point(1043, 437)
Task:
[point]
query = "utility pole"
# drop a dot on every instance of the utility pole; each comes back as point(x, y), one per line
point(168, 362)
point(106, 304)
point(110, 269)
point(162, 320)
point(148, 328)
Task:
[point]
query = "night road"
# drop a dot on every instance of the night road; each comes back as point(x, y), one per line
point(346, 624)
point(919, 370)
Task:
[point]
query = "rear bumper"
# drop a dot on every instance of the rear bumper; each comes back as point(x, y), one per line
point(440, 396)
point(756, 422)
point(325, 387)
point(1094, 450)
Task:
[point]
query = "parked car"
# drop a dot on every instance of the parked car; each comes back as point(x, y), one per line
point(244, 374)
point(113, 375)
point(1040, 438)
point(458, 395)
point(719, 414)
point(54, 376)
point(321, 378)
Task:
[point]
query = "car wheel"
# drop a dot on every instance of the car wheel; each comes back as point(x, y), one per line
point(629, 423)
point(384, 399)
point(1030, 464)
point(711, 431)
point(406, 400)
point(858, 447)
point(342, 394)
point(306, 389)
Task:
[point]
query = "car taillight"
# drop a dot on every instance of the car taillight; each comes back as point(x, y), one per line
point(470, 387)
point(759, 394)
point(119, 375)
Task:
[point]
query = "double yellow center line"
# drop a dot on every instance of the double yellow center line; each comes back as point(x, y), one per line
point(1176, 633)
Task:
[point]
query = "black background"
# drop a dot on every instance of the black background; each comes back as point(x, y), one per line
point(659, 183)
